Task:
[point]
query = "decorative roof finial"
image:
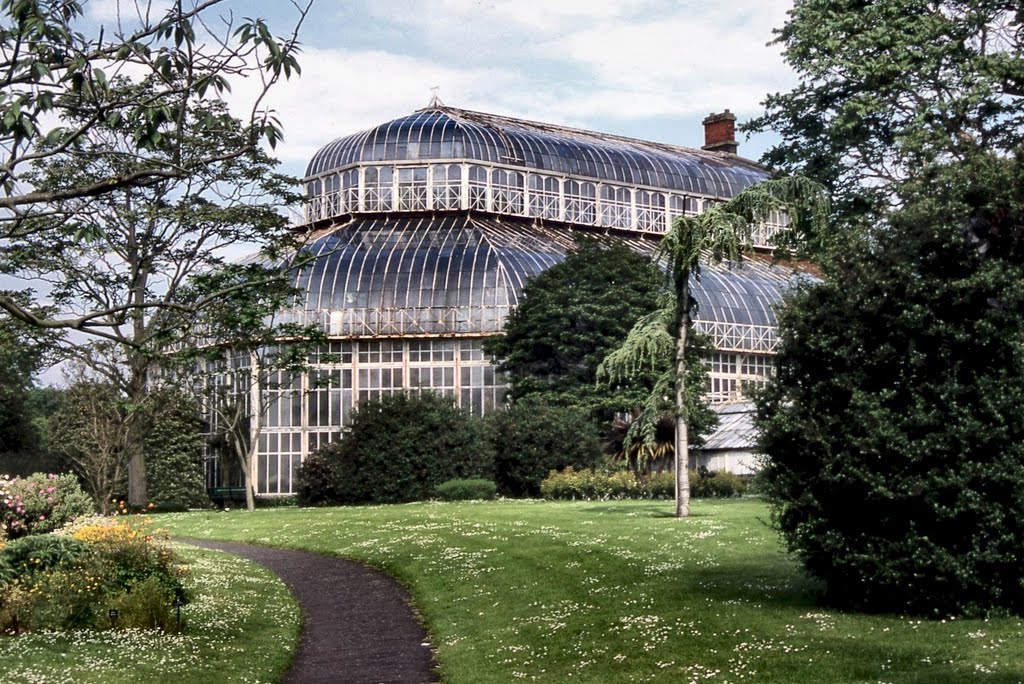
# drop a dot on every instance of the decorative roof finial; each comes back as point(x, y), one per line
point(435, 100)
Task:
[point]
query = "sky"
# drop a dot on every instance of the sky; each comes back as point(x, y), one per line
point(650, 69)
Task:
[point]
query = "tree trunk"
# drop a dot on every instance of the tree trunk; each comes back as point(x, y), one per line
point(682, 445)
point(255, 426)
point(138, 497)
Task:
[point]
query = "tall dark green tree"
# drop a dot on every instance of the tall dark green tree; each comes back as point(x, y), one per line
point(24, 351)
point(569, 317)
point(893, 427)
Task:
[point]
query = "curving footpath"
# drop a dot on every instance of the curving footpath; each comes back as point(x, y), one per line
point(358, 627)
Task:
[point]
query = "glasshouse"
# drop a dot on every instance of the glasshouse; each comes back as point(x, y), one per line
point(425, 229)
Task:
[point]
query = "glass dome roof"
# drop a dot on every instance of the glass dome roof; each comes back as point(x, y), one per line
point(462, 274)
point(444, 133)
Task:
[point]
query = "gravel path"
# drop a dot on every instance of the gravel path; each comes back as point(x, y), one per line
point(358, 627)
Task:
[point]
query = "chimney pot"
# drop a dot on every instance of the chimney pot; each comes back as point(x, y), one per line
point(720, 133)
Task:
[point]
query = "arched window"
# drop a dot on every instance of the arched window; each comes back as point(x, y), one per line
point(580, 202)
point(507, 191)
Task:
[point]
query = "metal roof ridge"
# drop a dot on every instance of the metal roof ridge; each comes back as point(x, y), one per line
point(470, 115)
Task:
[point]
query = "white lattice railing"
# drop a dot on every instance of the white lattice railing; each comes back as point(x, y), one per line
point(378, 321)
point(738, 336)
point(476, 186)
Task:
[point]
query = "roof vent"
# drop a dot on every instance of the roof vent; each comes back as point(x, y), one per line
point(720, 133)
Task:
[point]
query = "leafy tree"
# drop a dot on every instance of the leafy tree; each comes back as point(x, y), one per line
point(118, 268)
point(403, 446)
point(534, 437)
point(568, 318)
point(894, 430)
point(90, 433)
point(174, 450)
point(888, 88)
point(239, 355)
point(58, 74)
point(24, 351)
point(662, 339)
point(893, 427)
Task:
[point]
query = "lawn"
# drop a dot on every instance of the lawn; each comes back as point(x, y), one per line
point(242, 626)
point(621, 592)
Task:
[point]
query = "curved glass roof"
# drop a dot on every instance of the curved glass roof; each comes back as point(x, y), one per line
point(461, 274)
point(440, 133)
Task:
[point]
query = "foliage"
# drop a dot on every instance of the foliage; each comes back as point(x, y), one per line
point(595, 485)
point(533, 437)
point(37, 553)
point(174, 451)
point(58, 582)
point(240, 626)
point(400, 447)
point(893, 428)
point(89, 431)
point(889, 88)
point(24, 351)
point(316, 483)
point(466, 490)
point(40, 503)
point(568, 318)
point(718, 484)
point(61, 78)
point(661, 342)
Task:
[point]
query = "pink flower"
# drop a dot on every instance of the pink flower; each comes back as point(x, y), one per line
point(42, 517)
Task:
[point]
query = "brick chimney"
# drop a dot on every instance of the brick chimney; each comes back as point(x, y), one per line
point(720, 133)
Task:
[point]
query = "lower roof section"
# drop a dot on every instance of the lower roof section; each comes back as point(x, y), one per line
point(460, 274)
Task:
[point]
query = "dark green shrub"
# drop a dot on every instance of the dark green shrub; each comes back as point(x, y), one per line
point(466, 490)
point(277, 501)
point(41, 552)
point(316, 483)
point(175, 480)
point(532, 438)
point(893, 427)
point(147, 606)
point(593, 484)
point(401, 447)
point(705, 484)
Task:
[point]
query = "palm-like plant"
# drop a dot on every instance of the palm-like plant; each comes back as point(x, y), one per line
point(721, 233)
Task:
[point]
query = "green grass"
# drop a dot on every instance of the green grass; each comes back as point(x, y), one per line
point(241, 626)
point(621, 591)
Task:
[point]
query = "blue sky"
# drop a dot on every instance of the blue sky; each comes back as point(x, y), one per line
point(649, 69)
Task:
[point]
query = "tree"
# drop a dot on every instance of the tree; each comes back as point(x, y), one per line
point(90, 433)
point(568, 318)
point(119, 264)
point(23, 352)
point(58, 74)
point(893, 429)
point(242, 358)
point(175, 479)
point(888, 88)
point(722, 232)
